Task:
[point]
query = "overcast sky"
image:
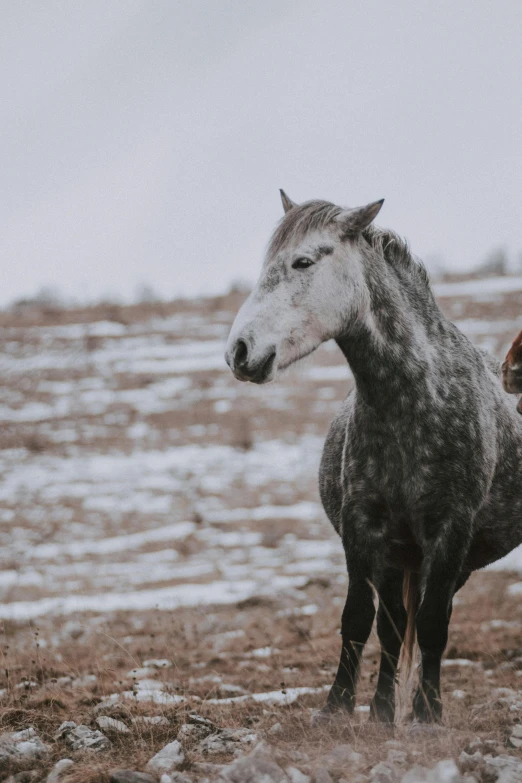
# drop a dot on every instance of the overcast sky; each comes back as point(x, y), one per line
point(145, 140)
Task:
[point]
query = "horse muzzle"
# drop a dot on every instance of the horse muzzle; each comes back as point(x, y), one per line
point(247, 366)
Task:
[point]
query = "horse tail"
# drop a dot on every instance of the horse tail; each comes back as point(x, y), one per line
point(410, 595)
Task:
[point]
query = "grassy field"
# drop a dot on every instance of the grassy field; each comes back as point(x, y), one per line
point(153, 508)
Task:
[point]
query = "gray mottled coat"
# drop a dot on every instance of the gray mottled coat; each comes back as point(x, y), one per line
point(427, 430)
point(421, 473)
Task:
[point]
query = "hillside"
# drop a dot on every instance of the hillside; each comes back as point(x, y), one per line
point(152, 507)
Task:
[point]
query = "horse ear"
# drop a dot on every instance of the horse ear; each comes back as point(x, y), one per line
point(356, 220)
point(288, 204)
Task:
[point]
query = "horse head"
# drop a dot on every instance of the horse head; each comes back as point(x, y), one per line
point(311, 287)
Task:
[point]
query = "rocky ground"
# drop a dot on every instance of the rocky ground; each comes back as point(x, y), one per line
point(170, 591)
point(237, 688)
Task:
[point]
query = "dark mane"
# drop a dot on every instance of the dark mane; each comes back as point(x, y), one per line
point(316, 215)
point(396, 252)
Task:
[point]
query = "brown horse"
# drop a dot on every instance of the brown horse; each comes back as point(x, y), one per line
point(512, 370)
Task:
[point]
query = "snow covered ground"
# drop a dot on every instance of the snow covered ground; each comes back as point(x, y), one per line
point(137, 473)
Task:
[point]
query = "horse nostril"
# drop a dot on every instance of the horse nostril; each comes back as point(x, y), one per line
point(241, 353)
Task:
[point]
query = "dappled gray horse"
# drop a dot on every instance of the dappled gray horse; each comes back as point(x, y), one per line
point(421, 472)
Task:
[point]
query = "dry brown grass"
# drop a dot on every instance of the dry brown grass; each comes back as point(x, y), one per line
point(308, 648)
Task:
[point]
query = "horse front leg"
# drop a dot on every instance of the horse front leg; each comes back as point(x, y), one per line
point(440, 578)
point(391, 627)
point(358, 613)
point(356, 625)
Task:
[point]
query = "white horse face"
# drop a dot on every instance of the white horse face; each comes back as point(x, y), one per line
point(310, 289)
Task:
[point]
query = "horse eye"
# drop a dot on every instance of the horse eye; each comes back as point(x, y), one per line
point(302, 263)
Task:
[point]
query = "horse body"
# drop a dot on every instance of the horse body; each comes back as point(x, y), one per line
point(448, 437)
point(421, 468)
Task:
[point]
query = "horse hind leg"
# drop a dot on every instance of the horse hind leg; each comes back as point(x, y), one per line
point(391, 629)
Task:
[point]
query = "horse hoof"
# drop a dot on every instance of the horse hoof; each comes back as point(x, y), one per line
point(426, 710)
point(382, 712)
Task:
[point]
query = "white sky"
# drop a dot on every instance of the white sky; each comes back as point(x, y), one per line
point(145, 140)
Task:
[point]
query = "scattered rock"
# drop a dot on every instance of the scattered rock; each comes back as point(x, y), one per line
point(226, 741)
point(384, 773)
point(505, 768)
point(192, 732)
point(444, 772)
point(296, 776)
point(82, 737)
point(516, 736)
point(56, 772)
point(64, 728)
point(168, 758)
point(257, 767)
point(175, 777)
point(153, 690)
point(196, 728)
point(322, 775)
point(275, 729)
point(341, 759)
point(29, 744)
point(193, 717)
point(416, 774)
point(392, 769)
point(112, 725)
point(128, 776)
point(19, 746)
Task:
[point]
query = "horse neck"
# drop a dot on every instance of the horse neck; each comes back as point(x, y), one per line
point(390, 347)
